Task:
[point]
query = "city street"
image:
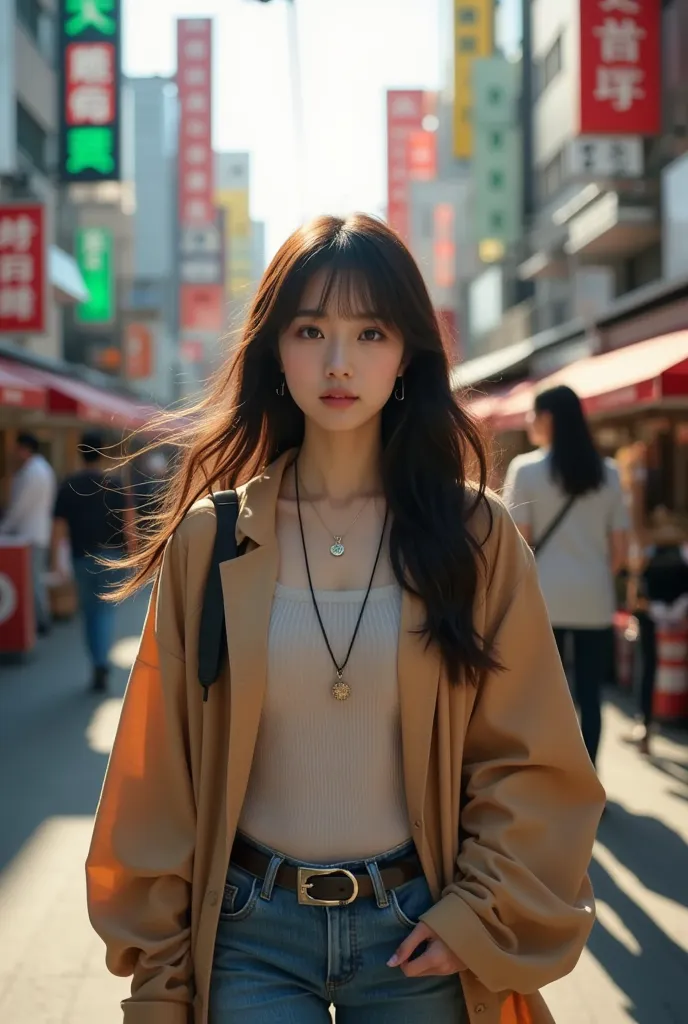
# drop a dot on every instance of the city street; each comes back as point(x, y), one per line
point(54, 741)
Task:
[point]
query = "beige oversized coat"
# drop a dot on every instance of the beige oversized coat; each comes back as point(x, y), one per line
point(505, 760)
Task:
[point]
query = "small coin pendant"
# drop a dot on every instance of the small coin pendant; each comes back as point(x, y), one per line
point(337, 548)
point(341, 690)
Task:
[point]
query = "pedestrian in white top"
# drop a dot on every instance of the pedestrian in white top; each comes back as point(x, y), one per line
point(29, 516)
point(568, 503)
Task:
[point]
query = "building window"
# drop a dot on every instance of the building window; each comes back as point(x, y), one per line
point(467, 16)
point(552, 64)
point(29, 15)
point(496, 221)
point(551, 177)
point(466, 44)
point(496, 139)
point(496, 179)
point(32, 139)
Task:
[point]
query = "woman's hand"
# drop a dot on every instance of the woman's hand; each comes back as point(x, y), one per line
point(437, 958)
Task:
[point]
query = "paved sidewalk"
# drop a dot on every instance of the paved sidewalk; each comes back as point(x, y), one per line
point(54, 741)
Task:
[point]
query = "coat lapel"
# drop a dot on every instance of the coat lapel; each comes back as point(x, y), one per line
point(418, 669)
point(248, 587)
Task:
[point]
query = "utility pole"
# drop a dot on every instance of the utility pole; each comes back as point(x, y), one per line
point(296, 89)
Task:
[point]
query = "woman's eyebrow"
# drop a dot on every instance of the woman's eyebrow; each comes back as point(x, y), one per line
point(319, 314)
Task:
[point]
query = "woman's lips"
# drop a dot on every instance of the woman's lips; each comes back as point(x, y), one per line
point(338, 401)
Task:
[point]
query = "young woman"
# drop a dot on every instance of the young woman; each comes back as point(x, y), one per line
point(384, 803)
point(569, 504)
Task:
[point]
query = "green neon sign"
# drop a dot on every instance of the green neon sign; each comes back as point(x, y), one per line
point(91, 149)
point(94, 256)
point(90, 14)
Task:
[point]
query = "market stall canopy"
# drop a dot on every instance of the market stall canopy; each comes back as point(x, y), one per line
point(646, 374)
point(17, 392)
point(67, 396)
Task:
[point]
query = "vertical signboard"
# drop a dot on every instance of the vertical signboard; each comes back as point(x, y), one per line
point(89, 115)
point(405, 111)
point(139, 351)
point(620, 79)
point(422, 156)
point(232, 196)
point(444, 246)
point(201, 270)
point(194, 78)
point(94, 255)
point(497, 157)
point(473, 37)
point(23, 268)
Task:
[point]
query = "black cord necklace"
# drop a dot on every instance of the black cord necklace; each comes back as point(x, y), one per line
point(340, 688)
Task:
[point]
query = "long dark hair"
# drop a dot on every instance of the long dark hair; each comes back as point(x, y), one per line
point(576, 464)
point(429, 441)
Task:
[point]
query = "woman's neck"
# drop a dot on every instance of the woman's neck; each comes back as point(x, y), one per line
point(340, 466)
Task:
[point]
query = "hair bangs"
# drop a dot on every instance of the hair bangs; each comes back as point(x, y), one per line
point(358, 284)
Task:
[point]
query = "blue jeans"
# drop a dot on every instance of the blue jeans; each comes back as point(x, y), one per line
point(279, 962)
point(93, 581)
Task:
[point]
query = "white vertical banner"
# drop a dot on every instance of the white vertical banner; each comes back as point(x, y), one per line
point(8, 105)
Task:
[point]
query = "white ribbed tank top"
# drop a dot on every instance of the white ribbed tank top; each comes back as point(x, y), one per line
point(326, 781)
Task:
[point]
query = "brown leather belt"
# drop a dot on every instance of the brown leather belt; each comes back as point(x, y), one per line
point(322, 887)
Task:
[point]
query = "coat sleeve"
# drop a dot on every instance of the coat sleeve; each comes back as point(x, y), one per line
point(140, 861)
point(520, 908)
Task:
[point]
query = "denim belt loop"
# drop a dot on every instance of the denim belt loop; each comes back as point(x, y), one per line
point(378, 885)
point(270, 875)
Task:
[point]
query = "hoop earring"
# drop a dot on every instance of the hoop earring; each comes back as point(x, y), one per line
point(400, 395)
point(281, 389)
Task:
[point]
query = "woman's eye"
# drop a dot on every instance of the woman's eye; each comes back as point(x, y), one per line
point(372, 334)
point(312, 333)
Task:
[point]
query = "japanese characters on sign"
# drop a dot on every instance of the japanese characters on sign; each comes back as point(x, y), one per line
point(196, 166)
point(473, 37)
point(90, 90)
point(405, 109)
point(22, 268)
point(422, 156)
point(94, 256)
point(620, 83)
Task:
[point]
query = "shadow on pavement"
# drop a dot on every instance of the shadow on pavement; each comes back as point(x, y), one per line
point(654, 977)
point(652, 851)
point(654, 980)
point(46, 763)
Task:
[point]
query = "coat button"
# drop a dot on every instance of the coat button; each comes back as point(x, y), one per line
point(480, 1008)
point(212, 897)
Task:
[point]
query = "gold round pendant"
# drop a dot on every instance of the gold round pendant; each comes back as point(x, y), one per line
point(341, 690)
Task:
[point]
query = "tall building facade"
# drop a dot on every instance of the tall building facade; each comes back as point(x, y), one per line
point(28, 151)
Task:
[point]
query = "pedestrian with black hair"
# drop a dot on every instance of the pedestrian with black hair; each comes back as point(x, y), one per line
point(93, 512)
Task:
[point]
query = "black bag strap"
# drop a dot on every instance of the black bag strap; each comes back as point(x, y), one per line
point(212, 636)
point(554, 525)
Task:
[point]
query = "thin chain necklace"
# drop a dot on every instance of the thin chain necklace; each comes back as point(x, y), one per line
point(340, 688)
point(337, 549)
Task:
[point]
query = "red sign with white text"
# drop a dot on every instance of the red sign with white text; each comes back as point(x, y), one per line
point(620, 79)
point(422, 156)
point(22, 268)
point(405, 111)
point(194, 78)
point(90, 83)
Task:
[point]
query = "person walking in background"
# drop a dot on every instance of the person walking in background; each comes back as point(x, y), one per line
point(93, 512)
point(29, 516)
point(568, 503)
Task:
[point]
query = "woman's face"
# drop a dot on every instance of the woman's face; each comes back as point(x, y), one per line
point(340, 372)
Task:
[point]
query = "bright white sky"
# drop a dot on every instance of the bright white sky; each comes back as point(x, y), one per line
point(351, 52)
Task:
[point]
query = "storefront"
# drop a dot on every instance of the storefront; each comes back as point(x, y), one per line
point(632, 395)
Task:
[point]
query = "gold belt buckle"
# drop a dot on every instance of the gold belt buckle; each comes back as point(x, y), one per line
point(304, 897)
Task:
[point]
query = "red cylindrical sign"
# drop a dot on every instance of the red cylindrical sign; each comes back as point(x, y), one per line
point(17, 616)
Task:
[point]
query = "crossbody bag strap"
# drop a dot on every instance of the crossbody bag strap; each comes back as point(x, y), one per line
point(212, 636)
point(554, 525)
